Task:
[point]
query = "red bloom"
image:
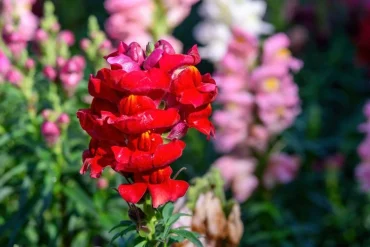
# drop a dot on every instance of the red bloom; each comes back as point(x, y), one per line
point(97, 157)
point(146, 152)
point(136, 102)
point(161, 187)
point(191, 88)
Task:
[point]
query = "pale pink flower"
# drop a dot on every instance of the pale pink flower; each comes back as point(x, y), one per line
point(363, 149)
point(362, 174)
point(281, 169)
point(258, 137)
point(276, 111)
point(67, 36)
point(232, 129)
point(275, 51)
point(243, 186)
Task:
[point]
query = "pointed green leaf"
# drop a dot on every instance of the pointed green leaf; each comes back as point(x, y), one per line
point(167, 211)
point(121, 224)
point(191, 236)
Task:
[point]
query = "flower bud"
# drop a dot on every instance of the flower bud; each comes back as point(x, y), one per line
point(85, 44)
point(30, 64)
point(102, 183)
point(63, 119)
point(50, 73)
point(165, 46)
point(46, 114)
point(15, 77)
point(50, 132)
point(136, 53)
point(67, 37)
point(41, 35)
point(153, 58)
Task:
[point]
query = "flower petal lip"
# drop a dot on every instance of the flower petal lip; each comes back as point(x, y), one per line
point(98, 128)
point(194, 89)
point(139, 161)
point(137, 82)
point(144, 121)
point(170, 62)
point(132, 193)
point(171, 190)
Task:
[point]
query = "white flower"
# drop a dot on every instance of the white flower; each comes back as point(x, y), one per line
point(221, 16)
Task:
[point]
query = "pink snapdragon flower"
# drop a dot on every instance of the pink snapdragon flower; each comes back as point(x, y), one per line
point(53, 125)
point(19, 23)
point(71, 73)
point(362, 174)
point(276, 51)
point(281, 169)
point(238, 174)
point(259, 100)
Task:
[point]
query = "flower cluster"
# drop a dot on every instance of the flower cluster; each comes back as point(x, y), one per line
point(363, 169)
point(69, 72)
point(141, 20)
point(221, 16)
point(259, 100)
point(142, 106)
point(18, 24)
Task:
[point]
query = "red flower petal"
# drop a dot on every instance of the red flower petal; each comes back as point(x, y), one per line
point(170, 190)
point(99, 88)
point(139, 161)
point(193, 89)
point(136, 104)
point(97, 127)
point(170, 62)
point(132, 192)
point(148, 120)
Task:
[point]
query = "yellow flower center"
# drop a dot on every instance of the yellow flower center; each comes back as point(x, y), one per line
point(271, 84)
point(283, 53)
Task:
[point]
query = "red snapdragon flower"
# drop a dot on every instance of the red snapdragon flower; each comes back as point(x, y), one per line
point(142, 106)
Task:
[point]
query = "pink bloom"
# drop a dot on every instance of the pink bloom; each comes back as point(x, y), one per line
point(238, 173)
point(258, 137)
point(243, 186)
point(50, 132)
point(50, 73)
point(363, 149)
point(281, 169)
point(232, 129)
point(14, 76)
point(67, 37)
point(102, 183)
point(5, 64)
point(362, 174)
point(30, 64)
point(72, 73)
point(276, 111)
point(244, 46)
point(275, 51)
point(63, 119)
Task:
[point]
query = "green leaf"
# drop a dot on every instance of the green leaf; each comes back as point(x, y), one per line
point(80, 197)
point(121, 234)
point(141, 244)
point(121, 224)
point(191, 236)
point(175, 218)
point(167, 211)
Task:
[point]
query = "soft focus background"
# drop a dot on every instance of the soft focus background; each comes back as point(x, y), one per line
point(292, 120)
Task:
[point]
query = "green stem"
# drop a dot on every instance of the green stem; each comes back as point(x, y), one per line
point(151, 218)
